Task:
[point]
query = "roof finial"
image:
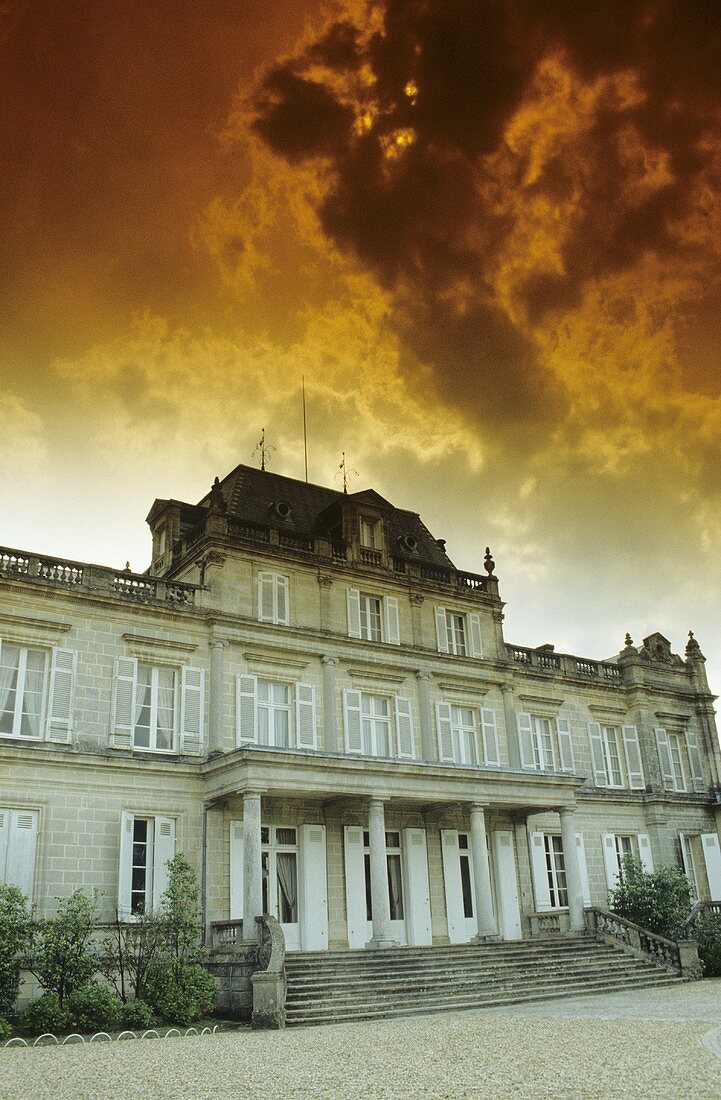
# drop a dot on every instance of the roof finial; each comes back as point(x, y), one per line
point(346, 472)
point(628, 640)
point(488, 562)
point(264, 449)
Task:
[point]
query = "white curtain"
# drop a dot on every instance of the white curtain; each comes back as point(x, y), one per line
point(8, 672)
point(166, 702)
point(287, 886)
point(394, 887)
point(33, 694)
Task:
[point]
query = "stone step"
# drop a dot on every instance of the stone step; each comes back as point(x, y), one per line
point(431, 956)
point(558, 943)
point(401, 968)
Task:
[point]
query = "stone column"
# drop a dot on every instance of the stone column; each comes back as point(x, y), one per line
point(252, 871)
point(216, 739)
point(429, 749)
point(509, 720)
point(330, 722)
point(325, 583)
point(576, 917)
point(379, 876)
point(482, 875)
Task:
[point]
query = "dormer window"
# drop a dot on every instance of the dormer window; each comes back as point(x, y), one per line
point(371, 536)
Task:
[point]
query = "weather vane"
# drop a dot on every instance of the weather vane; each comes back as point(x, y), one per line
point(346, 472)
point(264, 449)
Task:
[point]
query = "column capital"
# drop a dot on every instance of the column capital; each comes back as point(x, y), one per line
point(506, 689)
point(251, 792)
point(421, 674)
point(325, 580)
point(377, 800)
point(328, 660)
point(218, 643)
point(566, 811)
point(478, 807)
point(416, 598)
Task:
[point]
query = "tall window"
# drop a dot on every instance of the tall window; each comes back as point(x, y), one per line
point(141, 888)
point(466, 888)
point(370, 533)
point(371, 618)
point(376, 724)
point(612, 756)
point(463, 731)
point(279, 860)
point(624, 850)
point(555, 870)
point(22, 691)
point(394, 871)
point(155, 707)
point(273, 601)
point(677, 769)
point(456, 632)
point(274, 714)
point(542, 740)
point(146, 845)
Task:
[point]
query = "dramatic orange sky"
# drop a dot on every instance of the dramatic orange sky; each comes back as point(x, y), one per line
point(488, 232)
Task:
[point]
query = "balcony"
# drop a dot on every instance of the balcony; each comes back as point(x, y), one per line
point(544, 660)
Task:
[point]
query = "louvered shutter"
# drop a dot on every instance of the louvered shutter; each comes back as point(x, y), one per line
point(352, 720)
point(565, 744)
point(20, 859)
point(453, 886)
point(393, 633)
point(694, 761)
point(583, 868)
point(417, 888)
point(644, 852)
point(61, 695)
point(246, 689)
point(355, 887)
point(634, 766)
point(282, 600)
point(474, 624)
point(305, 717)
point(509, 911)
point(125, 867)
point(4, 837)
point(354, 623)
point(598, 759)
point(610, 860)
point(163, 850)
point(539, 872)
point(664, 756)
point(445, 731)
point(192, 710)
point(712, 857)
point(313, 899)
point(441, 630)
point(125, 690)
point(266, 597)
point(404, 727)
point(236, 870)
point(491, 752)
point(524, 723)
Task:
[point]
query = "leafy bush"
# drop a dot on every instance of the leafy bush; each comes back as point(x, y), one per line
point(707, 934)
point(129, 953)
point(6, 1031)
point(137, 1014)
point(659, 901)
point(45, 1014)
point(62, 959)
point(14, 937)
point(93, 1008)
point(182, 995)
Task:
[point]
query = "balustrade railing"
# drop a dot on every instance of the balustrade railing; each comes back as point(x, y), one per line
point(369, 556)
point(681, 957)
point(687, 929)
point(547, 661)
point(226, 935)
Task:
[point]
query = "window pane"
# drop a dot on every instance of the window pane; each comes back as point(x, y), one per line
point(367, 869)
point(263, 729)
point(395, 887)
point(466, 886)
point(287, 874)
point(282, 729)
point(393, 840)
point(285, 836)
point(8, 687)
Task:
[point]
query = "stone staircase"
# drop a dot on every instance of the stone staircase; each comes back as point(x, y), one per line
point(334, 986)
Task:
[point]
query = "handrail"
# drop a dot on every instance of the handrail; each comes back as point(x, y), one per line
point(688, 926)
point(681, 957)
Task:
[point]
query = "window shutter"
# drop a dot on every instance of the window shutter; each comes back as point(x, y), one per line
point(61, 695)
point(352, 720)
point(694, 761)
point(236, 870)
point(634, 766)
point(246, 688)
point(191, 710)
point(404, 727)
point(416, 888)
point(313, 892)
point(565, 744)
point(644, 852)
point(266, 591)
point(664, 756)
point(597, 757)
point(712, 857)
point(453, 886)
point(474, 624)
point(125, 868)
point(354, 626)
point(20, 859)
point(583, 868)
point(305, 720)
point(444, 729)
point(441, 630)
point(393, 633)
point(355, 886)
point(491, 754)
point(524, 723)
point(282, 600)
point(540, 875)
point(163, 850)
point(4, 835)
point(610, 860)
point(687, 870)
point(509, 912)
point(124, 688)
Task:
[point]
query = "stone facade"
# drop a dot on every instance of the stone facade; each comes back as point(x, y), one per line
point(304, 673)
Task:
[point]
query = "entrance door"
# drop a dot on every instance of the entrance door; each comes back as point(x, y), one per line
point(279, 861)
point(459, 885)
point(408, 893)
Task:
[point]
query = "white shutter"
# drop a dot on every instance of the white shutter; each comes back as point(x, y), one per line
point(712, 857)
point(441, 630)
point(163, 850)
point(246, 690)
point(393, 630)
point(305, 718)
point(610, 860)
point(282, 600)
point(453, 888)
point(125, 868)
point(352, 720)
point(354, 623)
point(417, 888)
point(509, 915)
point(524, 723)
point(664, 756)
point(644, 852)
point(192, 710)
point(61, 695)
point(124, 691)
point(583, 868)
point(266, 594)
point(22, 842)
point(236, 870)
point(313, 889)
point(565, 744)
point(404, 727)
point(4, 835)
point(598, 759)
point(444, 729)
point(491, 754)
point(634, 766)
point(694, 761)
point(474, 624)
point(541, 890)
point(355, 887)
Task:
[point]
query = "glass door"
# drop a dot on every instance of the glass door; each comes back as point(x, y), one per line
point(396, 899)
point(279, 861)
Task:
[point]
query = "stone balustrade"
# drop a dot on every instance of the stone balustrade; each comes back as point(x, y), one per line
point(545, 660)
point(680, 957)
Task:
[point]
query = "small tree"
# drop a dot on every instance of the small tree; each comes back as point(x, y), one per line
point(14, 938)
point(129, 953)
point(659, 901)
point(62, 958)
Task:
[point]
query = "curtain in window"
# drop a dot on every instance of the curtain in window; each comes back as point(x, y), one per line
point(287, 886)
point(8, 672)
point(33, 696)
point(395, 889)
point(164, 738)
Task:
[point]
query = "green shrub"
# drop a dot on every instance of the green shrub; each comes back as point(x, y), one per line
point(184, 995)
point(6, 1031)
point(130, 951)
point(93, 1008)
point(14, 937)
point(45, 1014)
point(707, 934)
point(658, 901)
point(137, 1014)
point(62, 959)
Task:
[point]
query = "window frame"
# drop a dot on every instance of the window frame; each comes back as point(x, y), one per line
point(366, 632)
point(279, 581)
point(553, 852)
point(270, 707)
point(679, 775)
point(542, 741)
point(20, 680)
point(610, 735)
point(457, 639)
point(153, 725)
point(464, 736)
point(375, 528)
point(373, 720)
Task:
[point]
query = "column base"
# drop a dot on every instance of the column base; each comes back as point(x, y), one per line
point(486, 937)
point(376, 944)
